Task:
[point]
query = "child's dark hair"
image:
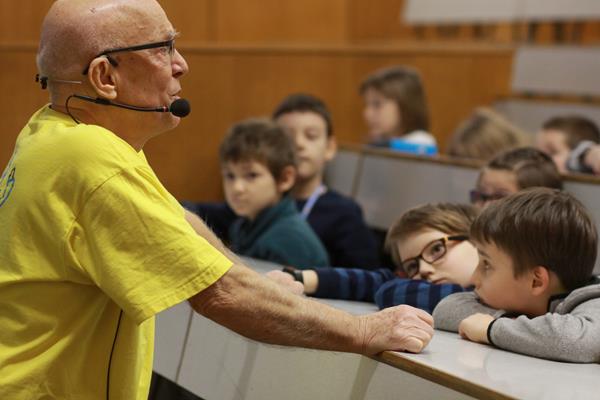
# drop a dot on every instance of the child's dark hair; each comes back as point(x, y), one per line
point(541, 227)
point(575, 127)
point(403, 85)
point(301, 102)
point(450, 218)
point(258, 140)
point(531, 167)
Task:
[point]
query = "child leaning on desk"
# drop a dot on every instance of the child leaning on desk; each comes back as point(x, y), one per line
point(428, 244)
point(534, 289)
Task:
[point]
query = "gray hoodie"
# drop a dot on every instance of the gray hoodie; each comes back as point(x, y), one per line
point(569, 331)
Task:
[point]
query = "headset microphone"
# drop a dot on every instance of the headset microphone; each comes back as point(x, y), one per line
point(179, 108)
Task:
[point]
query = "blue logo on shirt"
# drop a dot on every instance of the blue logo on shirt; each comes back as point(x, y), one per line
point(7, 182)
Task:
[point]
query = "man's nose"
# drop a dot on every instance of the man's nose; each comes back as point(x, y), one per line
point(179, 65)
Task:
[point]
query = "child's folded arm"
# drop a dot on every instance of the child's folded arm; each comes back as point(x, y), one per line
point(414, 292)
point(449, 312)
point(350, 283)
point(573, 337)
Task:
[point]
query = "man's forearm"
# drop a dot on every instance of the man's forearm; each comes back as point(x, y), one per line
point(259, 309)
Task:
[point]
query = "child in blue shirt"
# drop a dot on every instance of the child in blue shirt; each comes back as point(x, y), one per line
point(396, 108)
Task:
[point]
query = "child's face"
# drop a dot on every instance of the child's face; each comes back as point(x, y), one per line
point(495, 283)
point(313, 147)
point(381, 115)
point(554, 143)
point(456, 264)
point(493, 184)
point(249, 187)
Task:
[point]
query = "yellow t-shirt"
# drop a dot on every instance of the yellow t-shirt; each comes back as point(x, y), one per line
point(87, 230)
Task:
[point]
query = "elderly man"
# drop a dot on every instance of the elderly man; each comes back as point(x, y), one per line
point(92, 246)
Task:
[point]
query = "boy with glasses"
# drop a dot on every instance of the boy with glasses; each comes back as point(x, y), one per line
point(534, 289)
point(428, 243)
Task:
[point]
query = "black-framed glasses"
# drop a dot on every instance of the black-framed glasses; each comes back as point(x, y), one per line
point(479, 197)
point(167, 44)
point(432, 252)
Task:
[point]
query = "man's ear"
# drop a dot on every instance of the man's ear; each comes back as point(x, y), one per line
point(287, 178)
point(331, 148)
point(540, 280)
point(102, 77)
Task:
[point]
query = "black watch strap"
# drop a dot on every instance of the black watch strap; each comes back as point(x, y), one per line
point(296, 273)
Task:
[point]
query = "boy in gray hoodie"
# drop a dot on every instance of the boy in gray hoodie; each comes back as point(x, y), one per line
point(534, 289)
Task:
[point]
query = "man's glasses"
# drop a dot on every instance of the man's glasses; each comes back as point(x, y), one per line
point(432, 252)
point(480, 197)
point(169, 46)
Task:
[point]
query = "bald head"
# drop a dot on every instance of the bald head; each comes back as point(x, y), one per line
point(74, 31)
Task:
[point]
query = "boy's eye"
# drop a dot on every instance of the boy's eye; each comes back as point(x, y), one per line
point(436, 250)
point(485, 266)
point(251, 175)
point(411, 267)
point(312, 135)
point(228, 176)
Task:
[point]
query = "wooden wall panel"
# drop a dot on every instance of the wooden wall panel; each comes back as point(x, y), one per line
point(377, 21)
point(225, 86)
point(277, 21)
point(195, 19)
point(20, 21)
point(21, 96)
point(228, 83)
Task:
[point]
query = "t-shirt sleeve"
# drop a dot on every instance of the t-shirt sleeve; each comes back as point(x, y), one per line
point(132, 240)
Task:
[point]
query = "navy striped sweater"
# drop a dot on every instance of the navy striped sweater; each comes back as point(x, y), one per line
point(382, 287)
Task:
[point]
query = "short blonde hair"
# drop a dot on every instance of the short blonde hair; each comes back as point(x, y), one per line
point(484, 134)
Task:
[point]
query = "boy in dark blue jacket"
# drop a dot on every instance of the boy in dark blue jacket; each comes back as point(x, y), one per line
point(337, 219)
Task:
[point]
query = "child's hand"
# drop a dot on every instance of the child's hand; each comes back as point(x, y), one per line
point(286, 280)
point(475, 327)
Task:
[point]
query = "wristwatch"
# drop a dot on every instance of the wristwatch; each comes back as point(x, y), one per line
point(296, 273)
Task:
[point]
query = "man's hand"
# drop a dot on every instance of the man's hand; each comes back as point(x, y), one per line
point(402, 328)
point(475, 327)
point(286, 280)
point(592, 159)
